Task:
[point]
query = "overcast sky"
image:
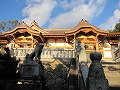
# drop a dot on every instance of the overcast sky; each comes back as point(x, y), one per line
point(103, 14)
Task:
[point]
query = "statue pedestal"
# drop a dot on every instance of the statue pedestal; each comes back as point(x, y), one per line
point(31, 70)
point(31, 77)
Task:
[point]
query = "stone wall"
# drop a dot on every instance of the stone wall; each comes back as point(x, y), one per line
point(56, 75)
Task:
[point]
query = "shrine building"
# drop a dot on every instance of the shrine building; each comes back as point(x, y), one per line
point(60, 42)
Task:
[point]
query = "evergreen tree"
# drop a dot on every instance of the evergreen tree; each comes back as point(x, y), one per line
point(117, 28)
point(6, 26)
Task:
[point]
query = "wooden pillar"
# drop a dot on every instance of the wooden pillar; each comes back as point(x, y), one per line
point(32, 41)
point(97, 48)
point(13, 41)
point(74, 44)
point(119, 47)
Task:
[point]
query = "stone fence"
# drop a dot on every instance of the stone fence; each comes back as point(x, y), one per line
point(46, 53)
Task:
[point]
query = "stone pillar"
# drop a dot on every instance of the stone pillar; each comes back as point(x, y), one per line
point(77, 49)
point(96, 78)
point(82, 53)
point(84, 71)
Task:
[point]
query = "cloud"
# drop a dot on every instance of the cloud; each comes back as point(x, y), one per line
point(73, 12)
point(40, 10)
point(69, 5)
point(113, 20)
point(77, 10)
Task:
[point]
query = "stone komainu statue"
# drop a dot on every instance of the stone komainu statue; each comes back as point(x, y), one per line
point(6, 55)
point(36, 53)
point(6, 61)
point(8, 67)
point(96, 78)
point(72, 75)
point(31, 68)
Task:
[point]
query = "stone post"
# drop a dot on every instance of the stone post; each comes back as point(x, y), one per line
point(96, 78)
point(82, 53)
point(77, 49)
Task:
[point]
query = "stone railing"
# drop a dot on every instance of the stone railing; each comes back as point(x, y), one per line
point(21, 52)
point(50, 53)
point(46, 53)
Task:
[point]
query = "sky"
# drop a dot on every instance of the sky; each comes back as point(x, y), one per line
point(103, 14)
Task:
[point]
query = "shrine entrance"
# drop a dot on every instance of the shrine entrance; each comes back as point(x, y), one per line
point(89, 41)
point(25, 41)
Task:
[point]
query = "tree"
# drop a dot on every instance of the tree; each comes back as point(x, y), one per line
point(117, 28)
point(6, 26)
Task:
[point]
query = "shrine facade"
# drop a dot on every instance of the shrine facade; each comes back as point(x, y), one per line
point(59, 41)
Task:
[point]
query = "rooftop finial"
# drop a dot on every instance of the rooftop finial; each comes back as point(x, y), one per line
point(34, 22)
point(82, 20)
point(85, 20)
point(23, 23)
